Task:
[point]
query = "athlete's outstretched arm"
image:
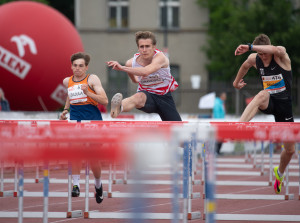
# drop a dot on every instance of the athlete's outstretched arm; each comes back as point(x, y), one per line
point(239, 82)
point(159, 61)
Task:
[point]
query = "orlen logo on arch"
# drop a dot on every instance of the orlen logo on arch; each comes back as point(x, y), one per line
point(13, 63)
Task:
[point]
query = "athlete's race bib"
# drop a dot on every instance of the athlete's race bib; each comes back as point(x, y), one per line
point(76, 95)
point(273, 84)
point(151, 80)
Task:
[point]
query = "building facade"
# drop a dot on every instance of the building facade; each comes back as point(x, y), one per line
point(107, 29)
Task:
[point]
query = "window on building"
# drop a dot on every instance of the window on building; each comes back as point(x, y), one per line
point(118, 14)
point(117, 83)
point(169, 13)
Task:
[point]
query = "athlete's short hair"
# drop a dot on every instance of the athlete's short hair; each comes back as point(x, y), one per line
point(81, 55)
point(262, 39)
point(145, 35)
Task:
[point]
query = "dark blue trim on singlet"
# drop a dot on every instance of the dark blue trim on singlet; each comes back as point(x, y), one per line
point(85, 112)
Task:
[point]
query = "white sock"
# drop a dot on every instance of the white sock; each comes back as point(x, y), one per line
point(76, 179)
point(98, 183)
point(279, 174)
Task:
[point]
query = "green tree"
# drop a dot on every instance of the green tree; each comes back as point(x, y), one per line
point(233, 22)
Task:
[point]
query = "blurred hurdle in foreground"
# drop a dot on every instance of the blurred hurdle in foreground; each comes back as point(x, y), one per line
point(140, 143)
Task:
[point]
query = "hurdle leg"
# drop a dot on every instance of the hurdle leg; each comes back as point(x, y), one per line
point(203, 163)
point(126, 169)
point(20, 192)
point(191, 215)
point(204, 177)
point(271, 147)
point(254, 155)
point(16, 180)
point(2, 180)
point(6, 193)
point(175, 187)
point(70, 213)
point(109, 194)
point(210, 185)
point(185, 180)
point(87, 174)
point(37, 169)
point(46, 192)
point(287, 182)
point(115, 173)
point(190, 186)
point(246, 153)
point(299, 168)
point(287, 195)
point(69, 189)
point(262, 159)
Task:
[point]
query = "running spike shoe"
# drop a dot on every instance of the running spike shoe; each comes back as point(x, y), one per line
point(99, 194)
point(278, 181)
point(75, 191)
point(116, 103)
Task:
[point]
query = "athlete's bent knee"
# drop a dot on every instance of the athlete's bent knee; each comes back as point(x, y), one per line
point(263, 96)
point(140, 99)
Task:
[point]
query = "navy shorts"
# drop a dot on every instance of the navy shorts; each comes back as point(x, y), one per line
point(281, 109)
point(85, 112)
point(163, 105)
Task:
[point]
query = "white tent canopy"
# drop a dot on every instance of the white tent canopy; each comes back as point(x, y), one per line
point(207, 101)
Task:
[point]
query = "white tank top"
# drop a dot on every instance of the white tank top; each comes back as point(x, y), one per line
point(159, 82)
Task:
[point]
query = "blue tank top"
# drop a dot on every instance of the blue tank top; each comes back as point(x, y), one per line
point(276, 80)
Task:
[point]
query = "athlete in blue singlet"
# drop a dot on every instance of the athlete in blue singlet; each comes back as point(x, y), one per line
point(274, 67)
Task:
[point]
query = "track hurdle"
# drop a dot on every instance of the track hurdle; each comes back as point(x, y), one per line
point(42, 153)
point(276, 134)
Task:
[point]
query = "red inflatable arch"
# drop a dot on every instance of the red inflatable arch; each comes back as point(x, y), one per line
point(36, 43)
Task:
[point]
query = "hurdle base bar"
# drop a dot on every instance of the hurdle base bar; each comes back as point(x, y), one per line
point(253, 197)
point(118, 181)
point(133, 215)
point(7, 193)
point(26, 214)
point(59, 194)
point(74, 214)
point(194, 215)
point(39, 180)
point(264, 173)
point(196, 182)
point(289, 197)
point(149, 195)
point(195, 195)
point(257, 217)
point(197, 172)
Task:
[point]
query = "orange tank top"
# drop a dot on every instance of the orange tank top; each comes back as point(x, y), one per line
point(76, 95)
